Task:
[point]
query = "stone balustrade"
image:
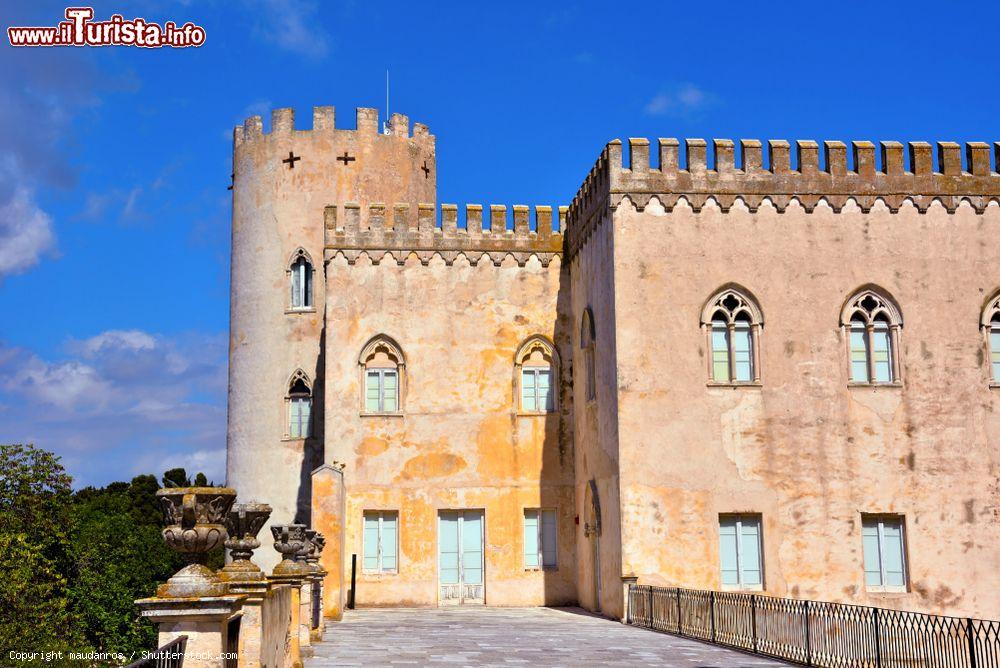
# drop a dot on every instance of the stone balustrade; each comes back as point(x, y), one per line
point(239, 614)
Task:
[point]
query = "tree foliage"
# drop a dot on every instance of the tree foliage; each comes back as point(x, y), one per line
point(73, 564)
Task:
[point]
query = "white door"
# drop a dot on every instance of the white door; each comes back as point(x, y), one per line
point(460, 557)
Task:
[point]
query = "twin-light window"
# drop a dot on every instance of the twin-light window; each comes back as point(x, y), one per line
point(380, 541)
point(872, 322)
point(539, 539)
point(733, 322)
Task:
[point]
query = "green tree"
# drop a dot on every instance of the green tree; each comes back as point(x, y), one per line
point(200, 480)
point(142, 499)
point(176, 478)
point(118, 558)
point(35, 560)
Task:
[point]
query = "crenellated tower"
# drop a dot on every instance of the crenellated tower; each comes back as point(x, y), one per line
point(282, 182)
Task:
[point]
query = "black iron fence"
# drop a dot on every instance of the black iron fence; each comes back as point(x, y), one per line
point(813, 633)
point(170, 655)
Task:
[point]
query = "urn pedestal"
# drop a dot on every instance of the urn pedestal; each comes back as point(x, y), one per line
point(195, 602)
point(244, 577)
point(289, 540)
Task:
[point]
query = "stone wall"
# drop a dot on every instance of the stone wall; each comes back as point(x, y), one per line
point(459, 441)
point(806, 450)
point(276, 616)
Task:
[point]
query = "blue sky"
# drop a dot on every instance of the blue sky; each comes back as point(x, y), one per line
point(114, 162)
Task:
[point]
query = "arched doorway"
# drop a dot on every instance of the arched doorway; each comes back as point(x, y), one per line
point(592, 531)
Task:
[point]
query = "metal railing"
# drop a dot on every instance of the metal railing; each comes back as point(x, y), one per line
point(170, 655)
point(814, 633)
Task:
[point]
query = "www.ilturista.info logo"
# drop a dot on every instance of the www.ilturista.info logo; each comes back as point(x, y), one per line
point(80, 30)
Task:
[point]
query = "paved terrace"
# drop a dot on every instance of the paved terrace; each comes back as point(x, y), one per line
point(479, 636)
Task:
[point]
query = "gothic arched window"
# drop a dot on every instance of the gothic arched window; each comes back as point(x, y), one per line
point(300, 271)
point(991, 328)
point(732, 321)
point(536, 369)
point(872, 322)
point(588, 344)
point(299, 405)
point(383, 381)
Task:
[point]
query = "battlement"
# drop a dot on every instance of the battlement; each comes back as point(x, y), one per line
point(865, 181)
point(324, 120)
point(401, 230)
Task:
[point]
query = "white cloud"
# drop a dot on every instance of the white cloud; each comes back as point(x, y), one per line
point(678, 100)
point(123, 402)
point(25, 232)
point(292, 25)
point(128, 339)
point(69, 386)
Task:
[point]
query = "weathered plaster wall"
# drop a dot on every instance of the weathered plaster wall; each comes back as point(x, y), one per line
point(459, 442)
point(595, 426)
point(805, 450)
point(276, 210)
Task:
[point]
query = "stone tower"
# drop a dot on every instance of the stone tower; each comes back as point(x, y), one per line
point(282, 181)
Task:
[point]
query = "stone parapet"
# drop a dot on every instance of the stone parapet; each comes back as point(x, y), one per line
point(865, 181)
point(324, 121)
point(401, 230)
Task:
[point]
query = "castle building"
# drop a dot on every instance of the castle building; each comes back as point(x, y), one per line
point(717, 374)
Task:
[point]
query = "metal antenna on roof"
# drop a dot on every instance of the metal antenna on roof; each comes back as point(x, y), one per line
point(386, 127)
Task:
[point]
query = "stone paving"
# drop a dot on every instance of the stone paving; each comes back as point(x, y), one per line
point(480, 636)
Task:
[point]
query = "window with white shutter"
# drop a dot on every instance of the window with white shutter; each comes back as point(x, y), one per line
point(540, 539)
point(884, 553)
point(381, 539)
point(741, 560)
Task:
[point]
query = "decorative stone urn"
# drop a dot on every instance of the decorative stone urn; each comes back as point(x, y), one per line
point(243, 524)
point(318, 543)
point(195, 519)
point(302, 556)
point(289, 540)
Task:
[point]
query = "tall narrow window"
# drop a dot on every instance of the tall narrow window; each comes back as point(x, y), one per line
point(588, 346)
point(380, 541)
point(540, 538)
point(733, 322)
point(740, 552)
point(991, 328)
point(872, 322)
point(299, 402)
point(884, 553)
point(536, 367)
point(301, 274)
point(382, 377)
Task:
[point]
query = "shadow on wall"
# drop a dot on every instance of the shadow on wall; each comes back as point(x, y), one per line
point(557, 474)
point(313, 450)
